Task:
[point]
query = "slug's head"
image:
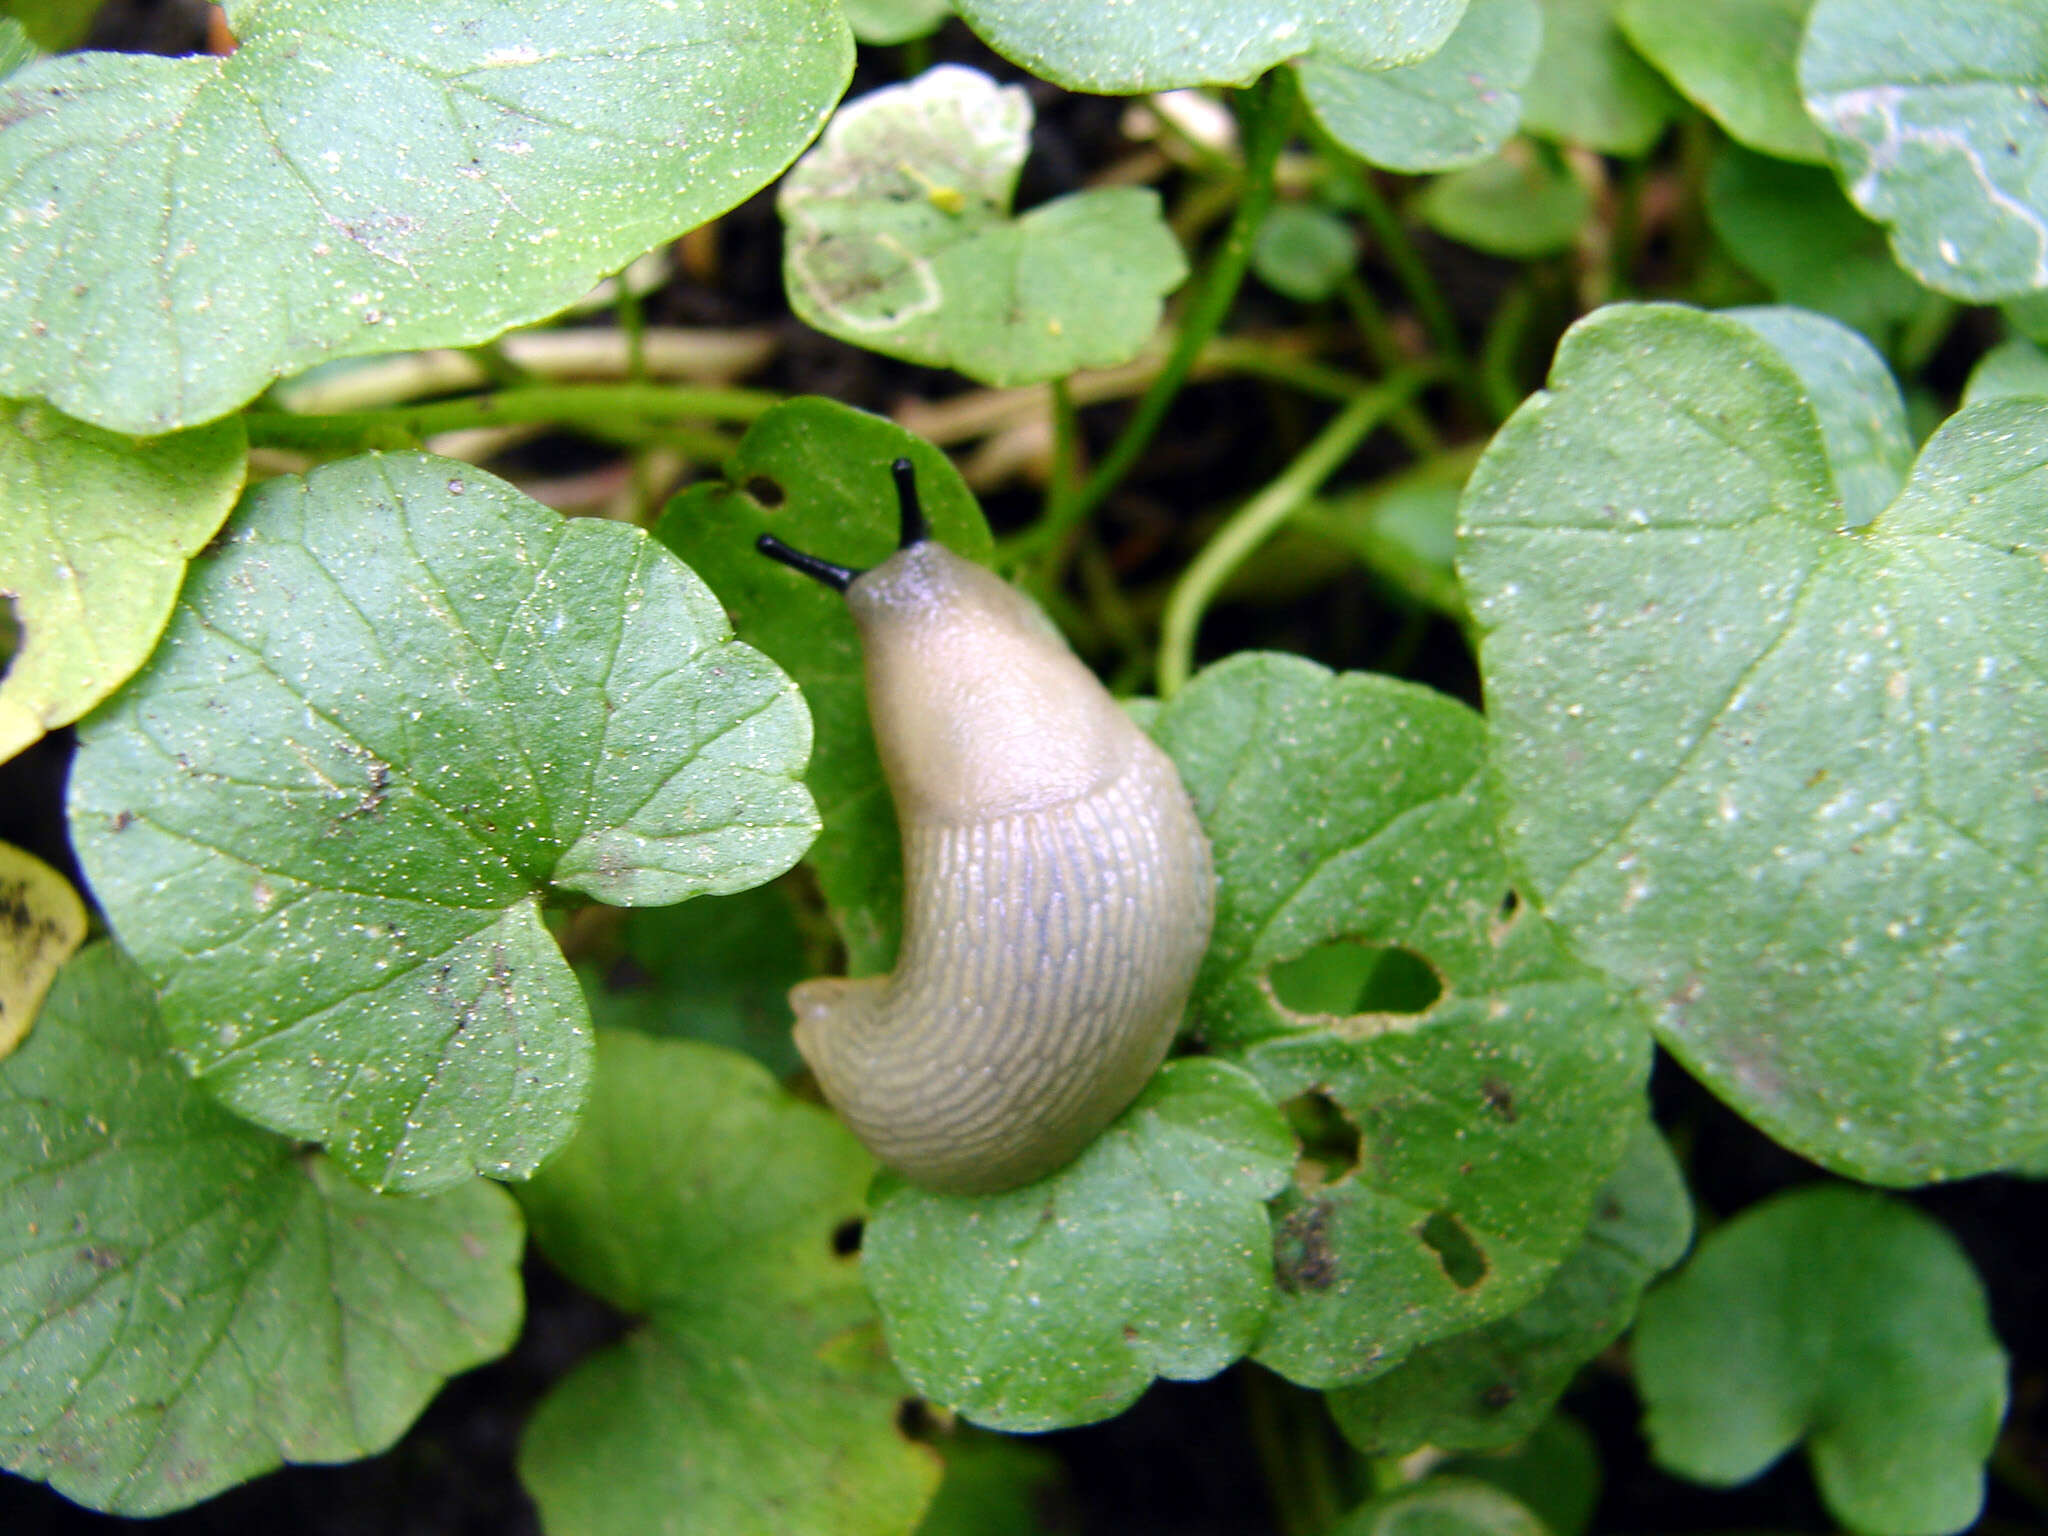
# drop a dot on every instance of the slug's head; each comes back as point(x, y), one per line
point(979, 708)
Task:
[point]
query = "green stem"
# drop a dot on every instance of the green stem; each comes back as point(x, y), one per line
point(1421, 288)
point(606, 410)
point(633, 322)
point(1291, 1436)
point(1266, 111)
point(1066, 439)
point(1372, 325)
point(1254, 522)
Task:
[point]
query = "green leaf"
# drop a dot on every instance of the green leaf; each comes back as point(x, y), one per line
point(997, 1486)
point(1844, 1320)
point(1453, 108)
point(1790, 228)
point(1304, 252)
point(41, 922)
point(2015, 367)
point(360, 177)
point(53, 24)
point(1522, 204)
point(1855, 401)
point(1735, 60)
point(1590, 87)
point(1442, 1506)
point(1058, 1303)
point(1555, 1471)
point(99, 528)
point(1780, 775)
point(755, 1397)
point(816, 474)
point(887, 22)
point(1157, 45)
point(1350, 810)
point(1932, 111)
point(16, 46)
point(189, 1301)
point(1496, 1385)
point(2028, 316)
point(900, 240)
point(717, 969)
point(399, 705)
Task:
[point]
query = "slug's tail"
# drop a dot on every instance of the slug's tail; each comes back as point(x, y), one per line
point(827, 1006)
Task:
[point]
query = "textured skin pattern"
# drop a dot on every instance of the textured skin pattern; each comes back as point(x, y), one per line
point(1058, 893)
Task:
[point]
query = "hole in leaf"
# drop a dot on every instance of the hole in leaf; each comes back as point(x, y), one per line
point(766, 491)
point(1463, 1263)
point(1348, 976)
point(1329, 1141)
point(10, 634)
point(915, 1419)
point(1510, 904)
point(846, 1237)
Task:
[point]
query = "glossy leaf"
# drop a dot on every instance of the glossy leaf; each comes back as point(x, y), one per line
point(1350, 810)
point(717, 969)
point(1844, 1320)
point(1453, 108)
point(189, 1301)
point(41, 922)
point(1790, 228)
point(1156, 45)
point(1590, 86)
point(1932, 111)
point(1777, 772)
point(1495, 1385)
point(1058, 1303)
point(360, 177)
point(816, 474)
point(1524, 203)
point(1735, 59)
point(99, 527)
point(900, 239)
point(400, 705)
point(702, 1198)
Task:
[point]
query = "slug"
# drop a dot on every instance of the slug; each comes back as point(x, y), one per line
point(1057, 886)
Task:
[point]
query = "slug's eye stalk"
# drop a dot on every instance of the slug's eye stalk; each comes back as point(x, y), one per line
point(915, 529)
point(837, 577)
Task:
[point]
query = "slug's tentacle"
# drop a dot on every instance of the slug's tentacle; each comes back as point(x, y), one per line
point(1058, 889)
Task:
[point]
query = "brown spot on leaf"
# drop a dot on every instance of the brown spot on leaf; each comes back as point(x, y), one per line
point(1303, 1259)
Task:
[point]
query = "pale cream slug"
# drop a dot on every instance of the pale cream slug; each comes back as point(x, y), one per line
point(1057, 886)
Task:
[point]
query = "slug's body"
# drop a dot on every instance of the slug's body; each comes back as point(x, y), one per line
point(1058, 890)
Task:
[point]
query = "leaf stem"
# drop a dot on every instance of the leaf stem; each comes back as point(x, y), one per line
point(1266, 111)
point(1254, 522)
point(606, 410)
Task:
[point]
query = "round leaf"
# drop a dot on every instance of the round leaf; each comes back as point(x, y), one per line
point(1523, 203)
point(1932, 111)
point(361, 176)
point(190, 1301)
point(1304, 252)
point(900, 240)
point(885, 22)
point(1156, 45)
point(816, 474)
point(99, 529)
point(1058, 1303)
point(2015, 367)
point(1590, 87)
point(1780, 774)
point(1442, 1506)
point(1453, 108)
point(1735, 60)
point(41, 922)
point(400, 704)
point(1350, 810)
point(755, 1400)
point(1842, 1319)
point(1494, 1386)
